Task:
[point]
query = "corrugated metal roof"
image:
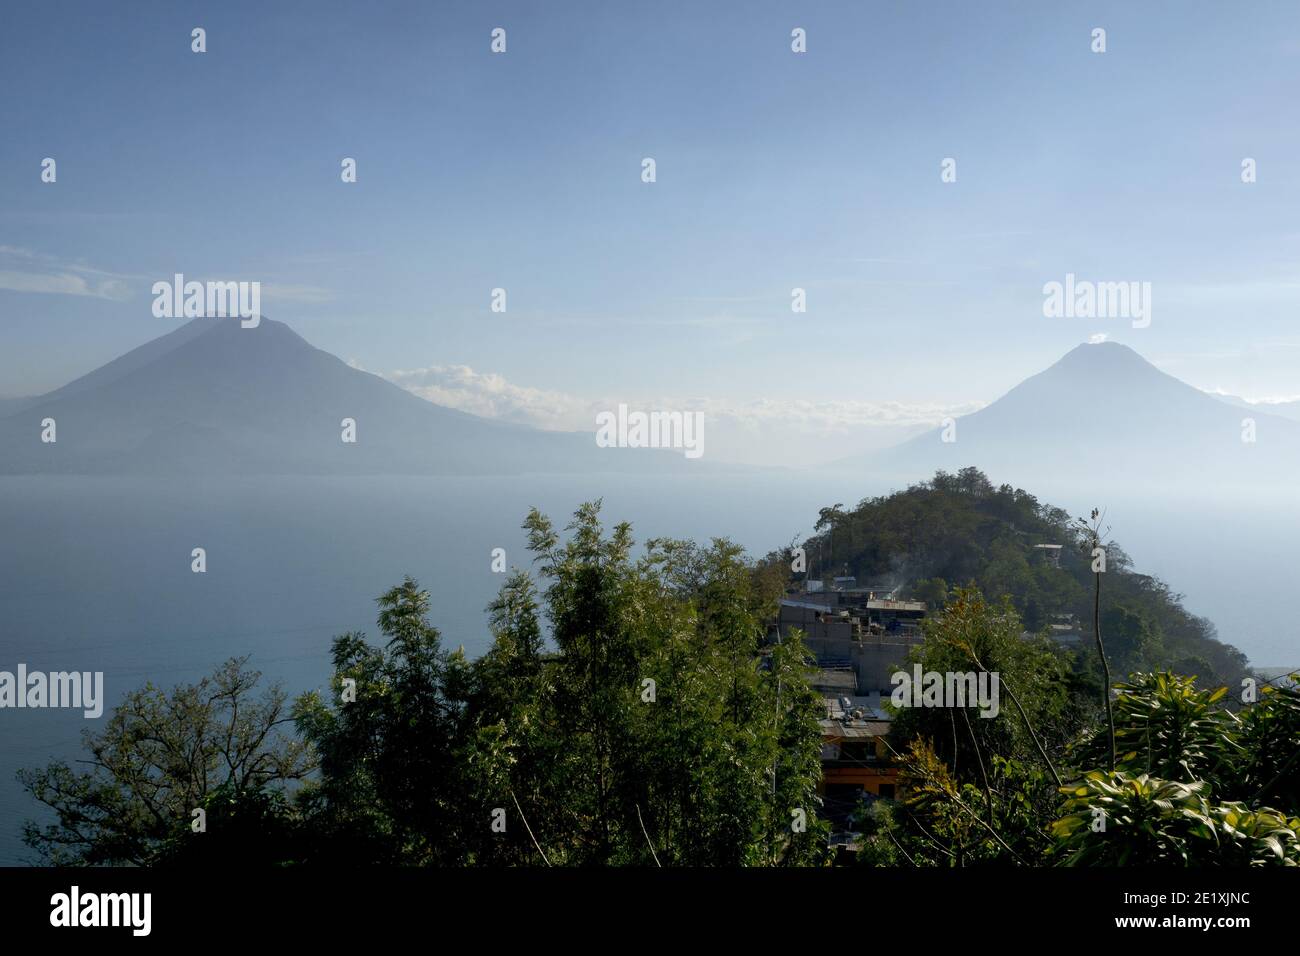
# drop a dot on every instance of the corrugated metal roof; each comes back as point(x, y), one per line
point(809, 605)
point(854, 730)
point(896, 605)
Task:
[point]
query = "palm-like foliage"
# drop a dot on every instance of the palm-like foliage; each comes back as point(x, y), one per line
point(1165, 727)
point(1194, 781)
point(1269, 734)
point(1122, 818)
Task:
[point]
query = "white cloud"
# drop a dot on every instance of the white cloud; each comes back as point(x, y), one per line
point(59, 278)
point(63, 283)
point(492, 396)
point(828, 417)
point(1220, 392)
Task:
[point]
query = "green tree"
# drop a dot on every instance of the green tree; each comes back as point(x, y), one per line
point(163, 755)
point(678, 740)
point(973, 636)
point(392, 788)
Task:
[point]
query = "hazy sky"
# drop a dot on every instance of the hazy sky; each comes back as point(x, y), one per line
point(775, 170)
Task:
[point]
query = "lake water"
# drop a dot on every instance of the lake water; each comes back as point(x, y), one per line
point(95, 573)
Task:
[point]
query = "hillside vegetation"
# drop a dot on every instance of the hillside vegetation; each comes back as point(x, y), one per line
point(958, 530)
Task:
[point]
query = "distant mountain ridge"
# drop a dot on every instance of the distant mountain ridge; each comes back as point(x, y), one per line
point(213, 397)
point(1102, 412)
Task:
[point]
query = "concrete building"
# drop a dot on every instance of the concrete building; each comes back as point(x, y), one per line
point(859, 637)
point(857, 627)
point(856, 763)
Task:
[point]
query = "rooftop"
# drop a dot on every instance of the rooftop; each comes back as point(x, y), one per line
point(853, 729)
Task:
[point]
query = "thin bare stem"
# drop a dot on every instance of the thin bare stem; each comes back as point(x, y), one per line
point(647, 837)
point(528, 828)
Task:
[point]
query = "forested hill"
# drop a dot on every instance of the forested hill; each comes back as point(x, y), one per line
point(958, 529)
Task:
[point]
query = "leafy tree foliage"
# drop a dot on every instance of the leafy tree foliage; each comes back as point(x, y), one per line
point(972, 636)
point(392, 787)
point(161, 756)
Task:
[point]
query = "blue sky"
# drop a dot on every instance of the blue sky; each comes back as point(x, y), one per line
point(775, 170)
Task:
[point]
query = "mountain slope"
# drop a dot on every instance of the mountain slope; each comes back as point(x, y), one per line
point(213, 397)
point(1103, 412)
